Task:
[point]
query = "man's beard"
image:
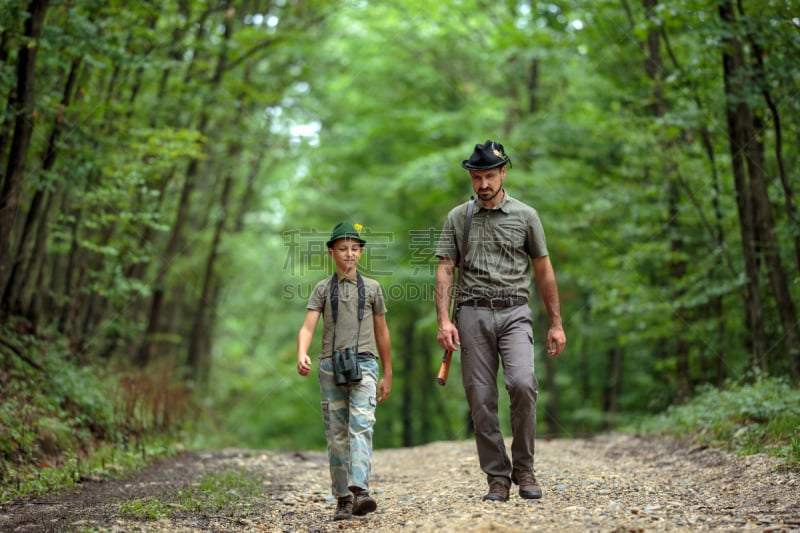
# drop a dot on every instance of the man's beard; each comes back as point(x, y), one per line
point(493, 194)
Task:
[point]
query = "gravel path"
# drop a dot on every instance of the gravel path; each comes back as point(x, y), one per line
point(609, 483)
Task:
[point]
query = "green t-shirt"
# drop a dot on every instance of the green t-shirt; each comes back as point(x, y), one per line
point(501, 243)
point(347, 321)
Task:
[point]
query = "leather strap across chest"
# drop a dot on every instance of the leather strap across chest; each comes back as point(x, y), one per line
point(334, 297)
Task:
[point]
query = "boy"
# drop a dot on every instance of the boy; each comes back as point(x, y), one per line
point(354, 329)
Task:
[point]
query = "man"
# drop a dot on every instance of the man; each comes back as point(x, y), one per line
point(494, 320)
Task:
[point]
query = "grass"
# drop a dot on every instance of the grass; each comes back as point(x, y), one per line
point(106, 462)
point(748, 418)
point(230, 492)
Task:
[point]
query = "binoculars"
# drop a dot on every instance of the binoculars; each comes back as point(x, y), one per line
point(345, 367)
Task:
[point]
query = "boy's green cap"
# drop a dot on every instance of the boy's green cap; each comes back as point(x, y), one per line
point(346, 230)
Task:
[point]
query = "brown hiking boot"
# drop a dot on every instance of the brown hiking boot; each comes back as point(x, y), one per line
point(528, 487)
point(498, 492)
point(363, 503)
point(344, 508)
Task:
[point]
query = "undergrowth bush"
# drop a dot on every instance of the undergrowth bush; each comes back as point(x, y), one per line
point(64, 420)
point(762, 416)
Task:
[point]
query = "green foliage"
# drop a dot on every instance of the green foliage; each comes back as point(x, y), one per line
point(763, 416)
point(232, 493)
point(794, 449)
point(50, 405)
point(146, 509)
point(64, 420)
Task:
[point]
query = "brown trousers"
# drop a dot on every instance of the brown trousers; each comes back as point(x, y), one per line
point(488, 337)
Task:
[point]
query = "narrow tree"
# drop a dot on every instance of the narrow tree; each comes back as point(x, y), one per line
point(21, 107)
point(758, 228)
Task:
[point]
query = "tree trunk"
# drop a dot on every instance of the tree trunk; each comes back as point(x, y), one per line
point(769, 244)
point(197, 360)
point(154, 325)
point(70, 271)
point(21, 106)
point(4, 130)
point(20, 256)
point(407, 378)
point(757, 64)
point(425, 355)
point(611, 390)
point(737, 116)
point(24, 272)
point(654, 67)
point(33, 304)
point(677, 270)
point(715, 372)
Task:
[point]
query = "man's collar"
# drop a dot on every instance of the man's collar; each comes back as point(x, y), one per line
point(502, 206)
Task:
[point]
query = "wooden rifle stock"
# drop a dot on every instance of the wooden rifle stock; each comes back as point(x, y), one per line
point(444, 368)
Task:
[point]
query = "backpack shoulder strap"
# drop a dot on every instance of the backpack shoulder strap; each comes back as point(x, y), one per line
point(334, 296)
point(362, 296)
point(333, 290)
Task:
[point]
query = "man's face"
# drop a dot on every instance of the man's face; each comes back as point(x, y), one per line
point(345, 253)
point(488, 183)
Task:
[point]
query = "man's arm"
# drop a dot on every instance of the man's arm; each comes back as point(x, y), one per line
point(383, 341)
point(548, 288)
point(445, 274)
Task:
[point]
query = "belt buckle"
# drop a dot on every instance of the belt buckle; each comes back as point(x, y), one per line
point(498, 306)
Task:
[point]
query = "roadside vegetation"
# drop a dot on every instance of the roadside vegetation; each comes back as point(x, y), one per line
point(760, 416)
point(65, 421)
point(230, 493)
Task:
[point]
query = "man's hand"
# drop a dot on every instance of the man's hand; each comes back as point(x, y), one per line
point(556, 340)
point(448, 336)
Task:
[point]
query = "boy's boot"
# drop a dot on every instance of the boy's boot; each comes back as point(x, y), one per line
point(344, 508)
point(363, 503)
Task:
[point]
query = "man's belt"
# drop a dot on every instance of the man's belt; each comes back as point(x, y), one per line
point(497, 303)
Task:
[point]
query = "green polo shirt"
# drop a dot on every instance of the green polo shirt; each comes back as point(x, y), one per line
point(347, 322)
point(502, 241)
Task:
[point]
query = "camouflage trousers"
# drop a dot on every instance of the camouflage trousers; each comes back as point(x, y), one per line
point(349, 416)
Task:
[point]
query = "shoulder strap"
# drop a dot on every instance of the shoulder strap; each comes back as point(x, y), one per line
point(465, 241)
point(464, 246)
point(333, 290)
point(334, 296)
point(362, 296)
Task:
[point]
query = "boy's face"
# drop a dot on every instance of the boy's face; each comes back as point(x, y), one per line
point(345, 253)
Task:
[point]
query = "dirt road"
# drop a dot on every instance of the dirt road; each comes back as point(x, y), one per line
point(610, 483)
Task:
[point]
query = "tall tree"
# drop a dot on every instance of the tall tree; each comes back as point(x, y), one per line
point(20, 106)
point(757, 224)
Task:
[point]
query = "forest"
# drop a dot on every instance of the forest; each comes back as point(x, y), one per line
point(171, 170)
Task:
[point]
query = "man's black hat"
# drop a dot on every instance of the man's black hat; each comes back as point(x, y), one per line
point(488, 155)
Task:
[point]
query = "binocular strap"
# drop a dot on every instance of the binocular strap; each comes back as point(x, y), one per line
point(334, 296)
